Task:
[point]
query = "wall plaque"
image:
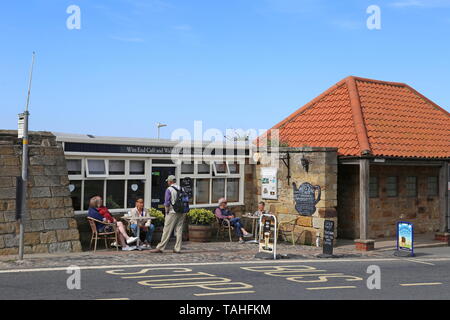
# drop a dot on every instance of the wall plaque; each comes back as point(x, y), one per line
point(305, 198)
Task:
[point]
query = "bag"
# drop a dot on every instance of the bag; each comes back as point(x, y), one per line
point(181, 204)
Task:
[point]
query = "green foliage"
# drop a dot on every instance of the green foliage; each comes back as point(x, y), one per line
point(159, 221)
point(201, 217)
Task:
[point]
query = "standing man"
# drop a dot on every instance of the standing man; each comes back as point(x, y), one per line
point(173, 220)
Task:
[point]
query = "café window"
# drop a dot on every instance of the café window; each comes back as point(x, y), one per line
point(373, 187)
point(233, 190)
point(432, 186)
point(187, 168)
point(391, 187)
point(218, 189)
point(221, 168)
point(135, 190)
point(95, 168)
point(116, 167)
point(74, 166)
point(137, 167)
point(203, 168)
point(411, 186)
point(92, 188)
point(115, 194)
point(75, 194)
point(202, 191)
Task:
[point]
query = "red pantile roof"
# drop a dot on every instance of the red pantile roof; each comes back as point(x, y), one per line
point(363, 116)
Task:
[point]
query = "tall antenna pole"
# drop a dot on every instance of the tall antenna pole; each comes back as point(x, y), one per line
point(25, 164)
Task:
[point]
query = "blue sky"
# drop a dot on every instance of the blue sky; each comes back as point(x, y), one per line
point(232, 64)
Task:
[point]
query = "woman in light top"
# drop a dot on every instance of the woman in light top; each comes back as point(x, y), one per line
point(146, 227)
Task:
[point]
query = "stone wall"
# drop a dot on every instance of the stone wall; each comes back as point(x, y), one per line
point(384, 211)
point(322, 171)
point(50, 226)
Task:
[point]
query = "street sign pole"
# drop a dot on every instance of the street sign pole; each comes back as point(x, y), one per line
point(25, 166)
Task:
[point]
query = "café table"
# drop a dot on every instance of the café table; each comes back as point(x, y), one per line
point(255, 225)
point(138, 219)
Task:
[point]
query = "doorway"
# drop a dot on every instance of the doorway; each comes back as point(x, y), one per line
point(159, 185)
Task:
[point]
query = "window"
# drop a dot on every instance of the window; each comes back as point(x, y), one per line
point(116, 167)
point(115, 196)
point(187, 168)
point(74, 166)
point(204, 168)
point(391, 186)
point(373, 187)
point(234, 167)
point(220, 168)
point(137, 167)
point(233, 190)
point(218, 189)
point(95, 168)
point(432, 186)
point(75, 194)
point(92, 188)
point(411, 186)
point(135, 190)
point(202, 191)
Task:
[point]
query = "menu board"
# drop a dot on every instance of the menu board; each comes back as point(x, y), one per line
point(328, 237)
point(269, 183)
point(187, 186)
point(405, 236)
point(268, 234)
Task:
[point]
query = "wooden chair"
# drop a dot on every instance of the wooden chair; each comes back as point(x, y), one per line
point(223, 226)
point(288, 222)
point(106, 235)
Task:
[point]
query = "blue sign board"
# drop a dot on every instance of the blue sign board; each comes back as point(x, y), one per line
point(405, 237)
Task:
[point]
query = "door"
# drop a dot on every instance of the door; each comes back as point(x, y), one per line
point(159, 185)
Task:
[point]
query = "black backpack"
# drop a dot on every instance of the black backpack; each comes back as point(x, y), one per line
point(181, 204)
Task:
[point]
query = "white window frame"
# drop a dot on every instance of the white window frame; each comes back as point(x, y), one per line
point(89, 175)
point(227, 173)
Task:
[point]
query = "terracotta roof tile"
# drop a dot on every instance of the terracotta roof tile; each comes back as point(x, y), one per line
point(364, 116)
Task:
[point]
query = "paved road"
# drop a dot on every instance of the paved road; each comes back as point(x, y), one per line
point(417, 278)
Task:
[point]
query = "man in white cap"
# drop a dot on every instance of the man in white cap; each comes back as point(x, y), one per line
point(173, 220)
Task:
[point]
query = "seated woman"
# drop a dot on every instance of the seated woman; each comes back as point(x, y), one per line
point(99, 212)
point(146, 227)
point(222, 212)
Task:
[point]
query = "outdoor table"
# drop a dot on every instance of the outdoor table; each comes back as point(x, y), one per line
point(138, 219)
point(255, 220)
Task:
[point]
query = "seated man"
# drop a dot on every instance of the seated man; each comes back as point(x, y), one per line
point(146, 228)
point(222, 212)
point(261, 209)
point(101, 213)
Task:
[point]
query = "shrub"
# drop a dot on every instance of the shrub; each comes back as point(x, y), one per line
point(159, 221)
point(201, 217)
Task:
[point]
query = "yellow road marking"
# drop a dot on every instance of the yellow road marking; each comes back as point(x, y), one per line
point(221, 293)
point(329, 288)
point(421, 284)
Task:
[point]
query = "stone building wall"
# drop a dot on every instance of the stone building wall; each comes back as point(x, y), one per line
point(322, 171)
point(385, 212)
point(50, 226)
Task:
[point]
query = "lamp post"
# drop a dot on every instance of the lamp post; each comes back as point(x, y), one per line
point(24, 136)
point(160, 125)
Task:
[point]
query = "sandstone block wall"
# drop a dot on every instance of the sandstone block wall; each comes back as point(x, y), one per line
point(50, 225)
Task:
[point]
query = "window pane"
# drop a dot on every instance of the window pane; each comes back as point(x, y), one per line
point(92, 188)
point(411, 186)
point(75, 194)
point(221, 167)
point(233, 190)
point(135, 190)
point(115, 196)
point(234, 167)
point(187, 168)
point(218, 189)
point(74, 166)
point(432, 186)
point(117, 167)
point(137, 167)
point(204, 168)
point(202, 191)
point(373, 187)
point(391, 186)
point(96, 167)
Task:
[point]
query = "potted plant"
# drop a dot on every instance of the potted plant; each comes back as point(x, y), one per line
point(158, 223)
point(200, 221)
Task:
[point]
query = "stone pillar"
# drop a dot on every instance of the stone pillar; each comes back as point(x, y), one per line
point(363, 243)
point(444, 205)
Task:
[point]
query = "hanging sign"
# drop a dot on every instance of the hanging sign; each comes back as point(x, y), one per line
point(405, 238)
point(269, 183)
point(268, 234)
point(305, 198)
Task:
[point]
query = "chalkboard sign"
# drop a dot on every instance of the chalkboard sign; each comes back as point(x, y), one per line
point(328, 237)
point(186, 184)
point(305, 198)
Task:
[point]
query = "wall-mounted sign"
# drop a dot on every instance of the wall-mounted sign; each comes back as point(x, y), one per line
point(269, 183)
point(268, 234)
point(405, 238)
point(305, 198)
point(328, 237)
point(134, 187)
point(21, 126)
